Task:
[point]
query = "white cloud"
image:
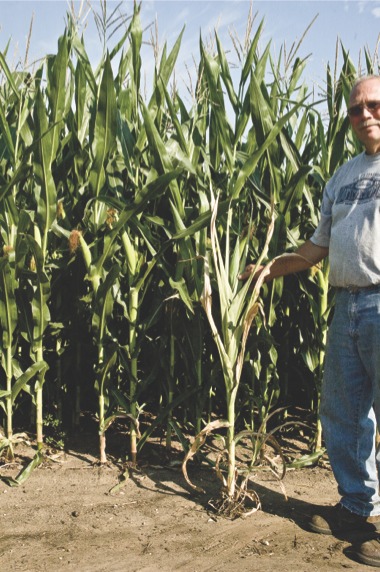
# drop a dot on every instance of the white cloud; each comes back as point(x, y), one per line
point(224, 19)
point(182, 16)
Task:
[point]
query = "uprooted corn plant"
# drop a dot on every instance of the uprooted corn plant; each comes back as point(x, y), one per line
point(125, 219)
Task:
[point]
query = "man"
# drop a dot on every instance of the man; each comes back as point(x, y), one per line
point(349, 232)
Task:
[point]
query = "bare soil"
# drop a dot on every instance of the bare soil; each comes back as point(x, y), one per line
point(64, 517)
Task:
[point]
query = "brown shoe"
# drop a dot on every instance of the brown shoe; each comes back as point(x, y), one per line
point(337, 520)
point(368, 552)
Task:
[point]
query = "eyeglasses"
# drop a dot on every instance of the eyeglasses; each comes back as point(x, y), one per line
point(357, 110)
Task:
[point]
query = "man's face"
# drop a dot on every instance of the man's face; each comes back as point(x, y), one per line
point(365, 114)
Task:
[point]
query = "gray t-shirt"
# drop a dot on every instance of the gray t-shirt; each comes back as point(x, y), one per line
point(350, 222)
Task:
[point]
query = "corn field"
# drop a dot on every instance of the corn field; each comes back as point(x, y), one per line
point(125, 221)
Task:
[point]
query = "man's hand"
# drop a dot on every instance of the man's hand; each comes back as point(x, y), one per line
point(307, 255)
point(249, 269)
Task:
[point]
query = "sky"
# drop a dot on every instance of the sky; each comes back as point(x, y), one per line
point(355, 23)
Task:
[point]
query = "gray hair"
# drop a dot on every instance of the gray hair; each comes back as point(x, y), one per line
point(362, 79)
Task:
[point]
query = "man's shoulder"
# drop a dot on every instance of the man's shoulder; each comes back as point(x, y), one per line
point(355, 167)
point(353, 162)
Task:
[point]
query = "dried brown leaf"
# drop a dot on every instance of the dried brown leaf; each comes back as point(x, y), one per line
point(197, 444)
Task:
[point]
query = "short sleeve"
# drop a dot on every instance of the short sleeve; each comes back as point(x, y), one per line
point(321, 235)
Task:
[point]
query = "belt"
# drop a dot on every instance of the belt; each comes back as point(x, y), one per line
point(356, 289)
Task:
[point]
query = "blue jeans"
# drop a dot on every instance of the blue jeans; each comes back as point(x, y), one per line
point(350, 400)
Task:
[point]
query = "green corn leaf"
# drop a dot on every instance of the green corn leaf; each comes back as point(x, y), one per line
point(8, 306)
point(262, 114)
point(309, 460)
point(20, 174)
point(130, 252)
point(40, 309)
point(182, 290)
point(278, 242)
point(26, 377)
point(163, 413)
point(226, 76)
point(311, 359)
point(83, 57)
point(24, 473)
point(297, 70)
point(45, 189)
point(149, 193)
point(4, 128)
point(136, 41)
point(251, 163)
point(163, 75)
point(120, 45)
point(250, 56)
point(243, 117)
point(163, 161)
point(292, 196)
point(56, 90)
point(102, 376)
point(339, 144)
point(202, 221)
point(149, 267)
point(104, 302)
point(104, 142)
point(173, 115)
point(81, 114)
point(261, 69)
point(9, 75)
point(167, 65)
point(25, 123)
point(221, 134)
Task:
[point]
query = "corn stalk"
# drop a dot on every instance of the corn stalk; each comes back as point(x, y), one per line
point(238, 309)
point(8, 321)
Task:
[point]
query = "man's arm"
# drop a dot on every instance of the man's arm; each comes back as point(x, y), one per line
point(307, 255)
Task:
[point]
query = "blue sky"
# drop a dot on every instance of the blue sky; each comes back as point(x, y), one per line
point(355, 23)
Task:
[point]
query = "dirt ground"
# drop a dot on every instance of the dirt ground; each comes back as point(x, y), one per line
point(64, 518)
